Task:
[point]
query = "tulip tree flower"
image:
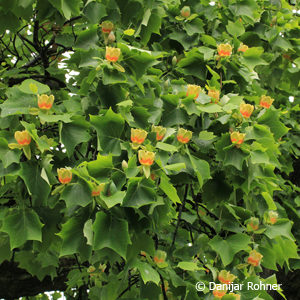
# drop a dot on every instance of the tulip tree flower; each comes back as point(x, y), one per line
point(22, 137)
point(183, 135)
point(224, 50)
point(214, 94)
point(193, 90)
point(272, 217)
point(45, 101)
point(64, 175)
point(138, 136)
point(226, 277)
point(160, 132)
point(97, 189)
point(242, 48)
point(185, 11)
point(146, 158)
point(266, 101)
point(252, 224)
point(220, 291)
point(237, 137)
point(246, 110)
point(112, 54)
point(107, 27)
point(254, 258)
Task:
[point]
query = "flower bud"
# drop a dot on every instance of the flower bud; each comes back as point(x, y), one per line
point(22, 137)
point(185, 11)
point(45, 101)
point(138, 136)
point(160, 132)
point(226, 277)
point(183, 135)
point(174, 61)
point(146, 158)
point(254, 258)
point(64, 175)
point(266, 101)
point(160, 257)
point(124, 165)
point(237, 296)
point(193, 90)
point(224, 50)
point(112, 54)
point(107, 26)
point(111, 37)
point(237, 137)
point(246, 110)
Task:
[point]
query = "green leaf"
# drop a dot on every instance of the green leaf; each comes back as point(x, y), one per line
point(88, 38)
point(281, 228)
point(78, 193)
point(101, 167)
point(235, 29)
point(67, 7)
point(109, 129)
point(94, 12)
point(116, 198)
point(5, 253)
point(271, 119)
point(140, 192)
point(27, 87)
point(73, 240)
point(105, 227)
point(8, 156)
point(228, 248)
point(74, 133)
point(188, 266)
point(175, 167)
point(22, 225)
point(269, 200)
point(210, 108)
point(235, 157)
point(166, 147)
point(17, 103)
point(205, 135)
point(252, 57)
point(113, 77)
point(148, 274)
point(37, 187)
point(169, 189)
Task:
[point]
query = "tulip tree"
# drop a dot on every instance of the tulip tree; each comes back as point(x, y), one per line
point(147, 146)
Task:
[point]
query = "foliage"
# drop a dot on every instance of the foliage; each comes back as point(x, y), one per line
point(148, 216)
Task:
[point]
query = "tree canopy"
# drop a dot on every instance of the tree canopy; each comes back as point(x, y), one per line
point(148, 148)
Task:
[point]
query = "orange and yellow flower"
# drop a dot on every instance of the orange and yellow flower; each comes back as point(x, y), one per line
point(160, 257)
point(226, 277)
point(185, 11)
point(193, 90)
point(64, 175)
point(146, 158)
point(45, 101)
point(237, 137)
point(246, 110)
point(138, 136)
point(272, 217)
point(214, 94)
point(160, 132)
point(112, 54)
point(97, 189)
point(22, 137)
point(242, 48)
point(224, 50)
point(183, 135)
point(266, 101)
point(252, 224)
point(107, 26)
point(219, 292)
point(254, 258)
